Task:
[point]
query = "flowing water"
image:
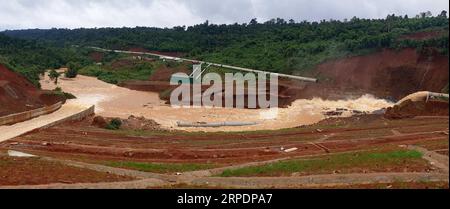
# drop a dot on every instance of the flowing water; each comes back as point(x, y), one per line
point(114, 101)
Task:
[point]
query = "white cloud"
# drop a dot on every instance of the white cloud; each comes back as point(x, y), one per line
point(16, 14)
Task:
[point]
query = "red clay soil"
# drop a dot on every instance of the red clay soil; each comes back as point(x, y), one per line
point(164, 89)
point(33, 171)
point(438, 145)
point(97, 56)
point(152, 86)
point(159, 82)
point(17, 94)
point(387, 74)
point(126, 63)
point(81, 140)
point(164, 73)
point(395, 185)
point(409, 109)
point(122, 63)
point(131, 123)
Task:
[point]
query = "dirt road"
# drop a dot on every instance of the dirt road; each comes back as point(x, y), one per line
point(88, 147)
point(70, 108)
point(147, 179)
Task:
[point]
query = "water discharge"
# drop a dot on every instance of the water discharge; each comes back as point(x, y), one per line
point(365, 103)
point(114, 101)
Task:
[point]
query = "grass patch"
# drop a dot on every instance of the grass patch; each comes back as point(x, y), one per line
point(161, 167)
point(138, 70)
point(64, 95)
point(345, 161)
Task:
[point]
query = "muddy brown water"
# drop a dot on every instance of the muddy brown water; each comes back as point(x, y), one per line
point(114, 101)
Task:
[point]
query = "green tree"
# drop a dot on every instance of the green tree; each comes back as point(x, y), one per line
point(54, 76)
point(72, 70)
point(443, 14)
point(114, 124)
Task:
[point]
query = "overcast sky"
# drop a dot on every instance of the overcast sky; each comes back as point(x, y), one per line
point(23, 14)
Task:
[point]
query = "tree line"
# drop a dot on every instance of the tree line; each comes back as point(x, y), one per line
point(275, 45)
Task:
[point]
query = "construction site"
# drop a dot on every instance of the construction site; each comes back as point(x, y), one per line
point(382, 127)
point(217, 101)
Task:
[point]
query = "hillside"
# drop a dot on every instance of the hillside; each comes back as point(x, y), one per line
point(276, 45)
point(31, 58)
point(17, 94)
point(390, 74)
point(388, 58)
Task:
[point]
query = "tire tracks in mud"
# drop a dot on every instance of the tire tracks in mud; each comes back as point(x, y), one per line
point(137, 184)
point(257, 182)
point(316, 142)
point(437, 160)
point(317, 180)
point(203, 178)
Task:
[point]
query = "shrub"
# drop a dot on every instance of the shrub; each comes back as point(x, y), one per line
point(100, 122)
point(114, 124)
point(69, 95)
point(71, 73)
point(65, 95)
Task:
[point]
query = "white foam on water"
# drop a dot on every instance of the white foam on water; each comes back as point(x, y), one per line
point(313, 108)
point(92, 99)
point(364, 103)
point(269, 114)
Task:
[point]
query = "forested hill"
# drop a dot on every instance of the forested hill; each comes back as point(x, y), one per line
point(32, 57)
point(276, 45)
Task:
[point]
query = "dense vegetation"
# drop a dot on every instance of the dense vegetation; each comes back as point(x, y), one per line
point(276, 45)
point(135, 70)
point(31, 57)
